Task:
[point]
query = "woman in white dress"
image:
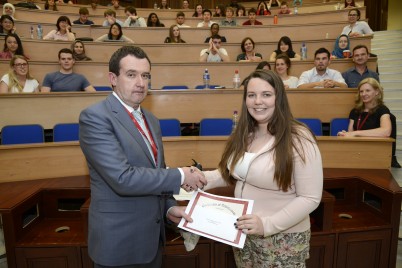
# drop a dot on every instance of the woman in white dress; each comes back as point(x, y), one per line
point(18, 79)
point(282, 67)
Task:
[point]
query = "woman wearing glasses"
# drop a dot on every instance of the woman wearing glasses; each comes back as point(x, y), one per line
point(356, 27)
point(18, 79)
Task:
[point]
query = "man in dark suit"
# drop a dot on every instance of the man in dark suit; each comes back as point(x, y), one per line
point(131, 190)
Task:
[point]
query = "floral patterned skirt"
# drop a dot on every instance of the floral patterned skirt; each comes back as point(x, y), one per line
point(277, 251)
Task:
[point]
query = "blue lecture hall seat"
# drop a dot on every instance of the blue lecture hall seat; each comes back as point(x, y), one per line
point(215, 127)
point(313, 123)
point(338, 124)
point(210, 86)
point(20, 134)
point(170, 127)
point(66, 132)
point(175, 87)
point(103, 88)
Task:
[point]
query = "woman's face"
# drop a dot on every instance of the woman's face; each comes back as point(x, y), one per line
point(20, 67)
point(352, 17)
point(343, 42)
point(248, 46)
point(176, 31)
point(283, 47)
point(115, 30)
point(7, 25)
point(215, 29)
point(260, 100)
point(348, 2)
point(281, 67)
point(78, 48)
point(240, 13)
point(217, 10)
point(12, 44)
point(8, 10)
point(199, 9)
point(368, 94)
point(63, 25)
point(154, 18)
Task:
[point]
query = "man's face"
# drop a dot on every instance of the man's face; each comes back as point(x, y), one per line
point(251, 16)
point(185, 4)
point(217, 43)
point(284, 8)
point(229, 13)
point(83, 17)
point(206, 16)
point(180, 20)
point(66, 61)
point(360, 56)
point(131, 85)
point(321, 61)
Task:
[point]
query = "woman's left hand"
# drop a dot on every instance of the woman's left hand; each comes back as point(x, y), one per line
point(250, 224)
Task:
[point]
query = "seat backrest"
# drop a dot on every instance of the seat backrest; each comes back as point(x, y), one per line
point(338, 124)
point(313, 123)
point(170, 127)
point(103, 88)
point(21, 134)
point(210, 86)
point(175, 87)
point(66, 132)
point(215, 127)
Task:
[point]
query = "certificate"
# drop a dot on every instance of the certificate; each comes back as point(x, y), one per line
point(214, 217)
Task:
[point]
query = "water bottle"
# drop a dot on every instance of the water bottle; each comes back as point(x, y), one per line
point(39, 31)
point(303, 51)
point(31, 31)
point(234, 121)
point(295, 11)
point(206, 78)
point(155, 5)
point(149, 82)
point(236, 80)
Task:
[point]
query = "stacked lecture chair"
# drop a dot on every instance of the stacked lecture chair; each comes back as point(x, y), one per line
point(215, 127)
point(21, 134)
point(66, 132)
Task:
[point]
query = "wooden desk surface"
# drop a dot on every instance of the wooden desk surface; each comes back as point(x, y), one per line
point(52, 160)
point(189, 106)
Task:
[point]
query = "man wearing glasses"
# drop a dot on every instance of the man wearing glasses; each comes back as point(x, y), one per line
point(215, 53)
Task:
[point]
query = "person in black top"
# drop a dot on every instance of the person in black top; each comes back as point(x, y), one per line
point(215, 31)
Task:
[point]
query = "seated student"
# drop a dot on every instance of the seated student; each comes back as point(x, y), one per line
point(360, 71)
point(83, 19)
point(215, 31)
point(341, 44)
point(219, 10)
point(249, 54)
point(51, 5)
point(206, 16)
point(215, 53)
point(185, 5)
point(174, 35)
point(63, 31)
point(264, 65)
point(132, 19)
point(252, 18)
point(7, 25)
point(180, 20)
point(350, 4)
point(66, 79)
point(9, 9)
point(198, 11)
point(285, 46)
point(18, 79)
point(262, 9)
point(321, 76)
point(164, 5)
point(356, 27)
point(284, 10)
point(115, 34)
point(12, 46)
point(240, 11)
point(229, 20)
point(370, 117)
point(153, 21)
point(78, 49)
point(274, 3)
point(110, 16)
point(282, 68)
point(114, 3)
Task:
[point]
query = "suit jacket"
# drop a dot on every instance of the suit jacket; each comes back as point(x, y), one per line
point(129, 194)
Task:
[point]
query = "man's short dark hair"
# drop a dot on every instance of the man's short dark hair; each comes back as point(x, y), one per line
point(83, 11)
point(65, 50)
point(322, 50)
point(131, 9)
point(252, 10)
point(207, 10)
point(109, 12)
point(114, 63)
point(359, 47)
point(180, 14)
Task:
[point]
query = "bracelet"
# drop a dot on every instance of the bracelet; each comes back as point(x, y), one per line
point(207, 52)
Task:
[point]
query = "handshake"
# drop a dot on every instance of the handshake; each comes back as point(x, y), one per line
point(193, 179)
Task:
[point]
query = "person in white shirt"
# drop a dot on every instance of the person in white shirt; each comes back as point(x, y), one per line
point(321, 75)
point(215, 53)
point(132, 19)
point(356, 28)
point(206, 15)
point(180, 19)
point(282, 68)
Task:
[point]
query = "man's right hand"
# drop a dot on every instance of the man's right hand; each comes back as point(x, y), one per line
point(193, 179)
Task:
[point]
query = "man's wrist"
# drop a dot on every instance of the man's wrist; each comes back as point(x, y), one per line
point(207, 52)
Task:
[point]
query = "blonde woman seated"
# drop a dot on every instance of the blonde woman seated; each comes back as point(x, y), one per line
point(249, 54)
point(282, 68)
point(115, 34)
point(18, 79)
point(174, 35)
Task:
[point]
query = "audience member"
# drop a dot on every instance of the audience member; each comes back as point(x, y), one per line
point(7, 25)
point(282, 68)
point(262, 9)
point(65, 79)
point(174, 35)
point(180, 20)
point(63, 32)
point(284, 9)
point(94, 4)
point(198, 11)
point(360, 71)
point(274, 3)
point(229, 20)
point(350, 4)
point(51, 5)
point(215, 31)
point(83, 19)
point(115, 4)
point(321, 75)
point(153, 21)
point(219, 10)
point(241, 11)
point(206, 16)
point(9, 9)
point(215, 53)
point(12, 46)
point(78, 49)
point(132, 19)
point(274, 160)
point(110, 16)
point(185, 5)
point(252, 18)
point(341, 43)
point(115, 34)
point(164, 5)
point(356, 27)
point(264, 65)
point(285, 46)
point(18, 79)
point(248, 48)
